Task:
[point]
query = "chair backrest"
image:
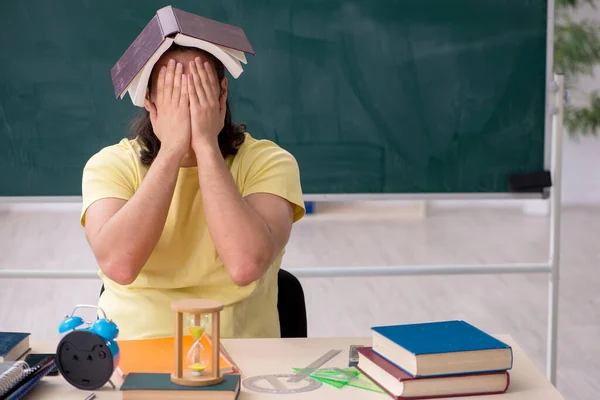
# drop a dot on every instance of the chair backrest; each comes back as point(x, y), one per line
point(291, 306)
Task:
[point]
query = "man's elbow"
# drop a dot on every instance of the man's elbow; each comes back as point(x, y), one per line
point(119, 272)
point(243, 278)
point(250, 269)
point(123, 279)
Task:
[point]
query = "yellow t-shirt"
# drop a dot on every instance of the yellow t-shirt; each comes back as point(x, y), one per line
point(185, 263)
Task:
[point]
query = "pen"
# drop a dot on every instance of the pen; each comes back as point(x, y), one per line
point(91, 396)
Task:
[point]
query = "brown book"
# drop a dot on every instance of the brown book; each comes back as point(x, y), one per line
point(400, 385)
point(170, 25)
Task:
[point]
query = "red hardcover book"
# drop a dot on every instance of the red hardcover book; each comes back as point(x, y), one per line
point(400, 385)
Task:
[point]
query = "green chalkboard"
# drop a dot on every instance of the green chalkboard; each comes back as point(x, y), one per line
point(378, 96)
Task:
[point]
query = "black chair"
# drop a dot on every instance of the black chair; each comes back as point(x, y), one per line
point(291, 306)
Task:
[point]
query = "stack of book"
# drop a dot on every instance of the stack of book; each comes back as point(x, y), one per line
point(436, 359)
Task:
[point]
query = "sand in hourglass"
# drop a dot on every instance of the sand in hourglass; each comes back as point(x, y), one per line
point(197, 358)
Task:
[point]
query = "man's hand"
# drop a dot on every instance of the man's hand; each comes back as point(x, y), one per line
point(170, 116)
point(207, 105)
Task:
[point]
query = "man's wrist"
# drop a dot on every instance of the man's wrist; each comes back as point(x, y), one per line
point(173, 154)
point(205, 146)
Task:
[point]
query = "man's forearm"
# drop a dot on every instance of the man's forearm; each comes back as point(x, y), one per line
point(240, 235)
point(129, 237)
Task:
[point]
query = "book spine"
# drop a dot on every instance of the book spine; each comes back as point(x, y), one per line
point(136, 55)
point(512, 357)
point(168, 21)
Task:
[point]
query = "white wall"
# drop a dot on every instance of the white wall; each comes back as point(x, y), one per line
point(581, 157)
point(581, 171)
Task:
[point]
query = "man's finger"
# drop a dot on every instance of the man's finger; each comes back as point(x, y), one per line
point(151, 109)
point(210, 98)
point(184, 99)
point(168, 91)
point(192, 92)
point(198, 83)
point(160, 85)
point(177, 83)
point(212, 80)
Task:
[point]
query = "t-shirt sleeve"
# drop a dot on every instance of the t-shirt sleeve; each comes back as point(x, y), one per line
point(271, 169)
point(110, 173)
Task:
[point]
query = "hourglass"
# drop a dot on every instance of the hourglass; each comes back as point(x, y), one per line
point(199, 368)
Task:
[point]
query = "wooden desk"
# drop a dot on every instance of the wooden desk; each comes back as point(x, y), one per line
point(279, 356)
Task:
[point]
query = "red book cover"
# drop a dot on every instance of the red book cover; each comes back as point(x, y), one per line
point(402, 376)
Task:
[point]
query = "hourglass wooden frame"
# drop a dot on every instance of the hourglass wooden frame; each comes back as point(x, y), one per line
point(196, 307)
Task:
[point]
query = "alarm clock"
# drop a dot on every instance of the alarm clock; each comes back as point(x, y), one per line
point(88, 354)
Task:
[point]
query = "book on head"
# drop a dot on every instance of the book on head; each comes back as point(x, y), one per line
point(441, 348)
point(227, 43)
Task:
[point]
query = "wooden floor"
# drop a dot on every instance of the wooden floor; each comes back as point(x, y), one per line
point(513, 304)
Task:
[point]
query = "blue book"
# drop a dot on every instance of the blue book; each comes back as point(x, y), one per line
point(441, 349)
point(13, 345)
point(142, 386)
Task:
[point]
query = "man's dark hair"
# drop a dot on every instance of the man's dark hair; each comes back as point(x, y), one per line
point(230, 137)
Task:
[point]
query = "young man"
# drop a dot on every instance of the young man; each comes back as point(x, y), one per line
point(191, 207)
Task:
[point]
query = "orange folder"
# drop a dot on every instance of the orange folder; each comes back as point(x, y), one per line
point(158, 355)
